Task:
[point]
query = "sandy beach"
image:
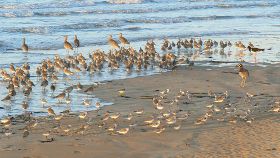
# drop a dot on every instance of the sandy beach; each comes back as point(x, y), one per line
point(244, 124)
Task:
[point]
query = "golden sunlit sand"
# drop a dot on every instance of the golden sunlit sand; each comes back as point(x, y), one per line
point(189, 125)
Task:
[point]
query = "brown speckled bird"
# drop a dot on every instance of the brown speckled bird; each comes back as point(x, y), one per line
point(112, 42)
point(243, 73)
point(123, 40)
point(24, 46)
point(67, 45)
point(76, 42)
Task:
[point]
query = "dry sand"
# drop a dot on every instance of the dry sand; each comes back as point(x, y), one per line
point(254, 135)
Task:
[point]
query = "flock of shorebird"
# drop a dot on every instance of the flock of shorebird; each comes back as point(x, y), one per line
point(168, 115)
point(18, 78)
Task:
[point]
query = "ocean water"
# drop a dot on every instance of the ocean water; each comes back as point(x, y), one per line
point(45, 22)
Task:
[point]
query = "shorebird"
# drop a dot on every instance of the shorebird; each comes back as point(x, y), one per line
point(149, 121)
point(12, 68)
point(79, 86)
point(44, 101)
point(177, 127)
point(66, 130)
point(233, 120)
point(8, 97)
point(219, 99)
point(123, 131)
point(38, 72)
point(68, 100)
point(112, 128)
point(83, 115)
point(160, 130)
point(275, 109)
point(24, 105)
point(24, 46)
point(60, 96)
point(58, 118)
point(51, 111)
point(165, 91)
point(171, 120)
point(123, 40)
point(67, 72)
point(201, 120)
point(121, 92)
point(33, 124)
point(243, 73)
point(112, 42)
point(86, 102)
point(67, 45)
point(89, 89)
point(240, 45)
point(254, 49)
point(115, 116)
point(54, 78)
point(76, 42)
point(97, 105)
point(106, 117)
point(251, 44)
point(159, 106)
point(129, 117)
point(52, 88)
point(25, 133)
point(223, 45)
point(6, 121)
point(210, 105)
point(44, 84)
point(46, 135)
point(69, 89)
point(139, 111)
point(229, 44)
point(216, 109)
point(155, 124)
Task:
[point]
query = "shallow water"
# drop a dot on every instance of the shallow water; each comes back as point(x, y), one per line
point(45, 22)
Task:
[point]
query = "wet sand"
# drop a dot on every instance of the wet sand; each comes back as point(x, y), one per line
point(225, 134)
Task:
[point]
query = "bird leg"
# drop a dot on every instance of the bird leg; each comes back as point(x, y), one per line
point(242, 83)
